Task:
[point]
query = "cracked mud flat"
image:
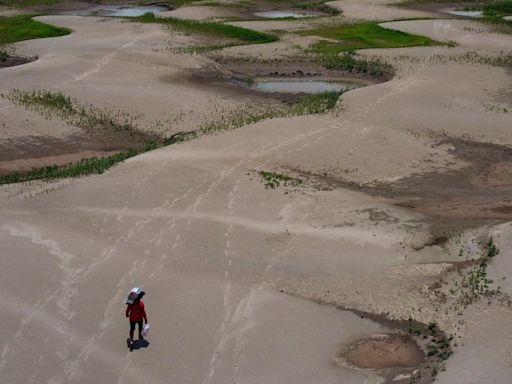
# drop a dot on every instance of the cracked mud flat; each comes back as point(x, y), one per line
point(235, 272)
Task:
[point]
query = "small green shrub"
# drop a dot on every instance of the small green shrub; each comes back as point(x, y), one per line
point(273, 180)
point(492, 249)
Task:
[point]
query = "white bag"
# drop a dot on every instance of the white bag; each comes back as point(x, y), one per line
point(132, 295)
point(145, 330)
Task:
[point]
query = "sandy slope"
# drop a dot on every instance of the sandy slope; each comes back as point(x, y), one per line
point(216, 251)
point(91, 64)
point(375, 10)
point(201, 13)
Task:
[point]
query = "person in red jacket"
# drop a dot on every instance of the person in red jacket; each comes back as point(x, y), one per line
point(136, 313)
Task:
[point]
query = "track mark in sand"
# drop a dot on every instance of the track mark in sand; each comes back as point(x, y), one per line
point(333, 126)
point(332, 233)
point(324, 131)
point(104, 61)
point(62, 296)
point(72, 340)
point(227, 289)
point(241, 320)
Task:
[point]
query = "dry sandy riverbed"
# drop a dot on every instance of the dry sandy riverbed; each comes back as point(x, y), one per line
point(238, 276)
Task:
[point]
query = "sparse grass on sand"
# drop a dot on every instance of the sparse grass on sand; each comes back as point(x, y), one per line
point(67, 107)
point(214, 29)
point(307, 105)
point(91, 119)
point(84, 167)
point(23, 27)
point(273, 180)
point(362, 36)
point(350, 62)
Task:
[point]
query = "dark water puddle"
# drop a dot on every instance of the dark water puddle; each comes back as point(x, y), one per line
point(119, 11)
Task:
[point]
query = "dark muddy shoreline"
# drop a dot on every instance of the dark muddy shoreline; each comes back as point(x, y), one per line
point(451, 200)
point(12, 61)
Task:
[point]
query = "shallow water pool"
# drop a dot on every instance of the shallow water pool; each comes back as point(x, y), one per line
point(280, 14)
point(120, 11)
point(304, 86)
point(466, 13)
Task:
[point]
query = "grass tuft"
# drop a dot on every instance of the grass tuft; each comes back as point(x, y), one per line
point(84, 167)
point(274, 180)
point(90, 118)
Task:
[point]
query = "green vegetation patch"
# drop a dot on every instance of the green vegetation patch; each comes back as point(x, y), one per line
point(349, 62)
point(363, 35)
point(492, 248)
point(475, 284)
point(209, 28)
point(317, 103)
point(23, 27)
point(274, 180)
point(84, 167)
point(498, 8)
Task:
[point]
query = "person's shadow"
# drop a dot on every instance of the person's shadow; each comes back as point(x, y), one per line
point(137, 344)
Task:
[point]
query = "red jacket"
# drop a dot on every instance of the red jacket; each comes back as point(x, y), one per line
point(136, 311)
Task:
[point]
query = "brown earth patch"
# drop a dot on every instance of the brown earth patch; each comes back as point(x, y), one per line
point(23, 165)
point(480, 193)
point(25, 153)
point(383, 351)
